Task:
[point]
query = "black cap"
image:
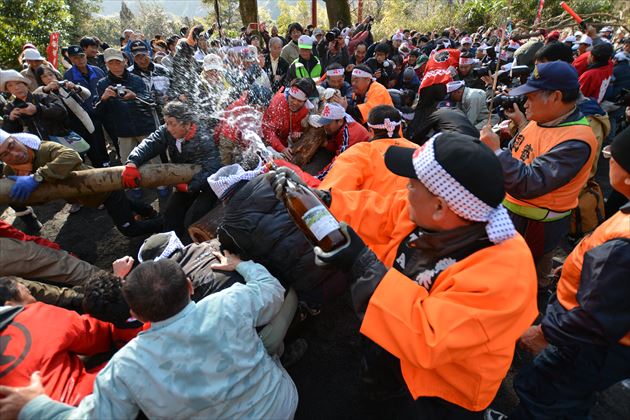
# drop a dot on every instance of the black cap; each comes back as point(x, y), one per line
point(74, 50)
point(138, 47)
point(620, 149)
point(461, 156)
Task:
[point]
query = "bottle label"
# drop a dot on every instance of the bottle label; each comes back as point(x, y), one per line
point(320, 222)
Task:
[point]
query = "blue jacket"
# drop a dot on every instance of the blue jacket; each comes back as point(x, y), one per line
point(125, 118)
point(94, 75)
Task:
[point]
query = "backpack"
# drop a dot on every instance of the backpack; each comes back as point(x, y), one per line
point(590, 210)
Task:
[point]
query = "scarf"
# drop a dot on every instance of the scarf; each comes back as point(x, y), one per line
point(191, 133)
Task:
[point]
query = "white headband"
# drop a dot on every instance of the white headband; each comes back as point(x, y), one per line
point(173, 245)
point(362, 73)
point(335, 72)
point(388, 125)
point(29, 140)
point(297, 93)
point(453, 86)
point(464, 203)
point(467, 61)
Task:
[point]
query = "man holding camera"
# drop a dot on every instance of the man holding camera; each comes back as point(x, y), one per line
point(548, 162)
point(122, 114)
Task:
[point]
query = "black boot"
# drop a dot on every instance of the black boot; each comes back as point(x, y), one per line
point(28, 217)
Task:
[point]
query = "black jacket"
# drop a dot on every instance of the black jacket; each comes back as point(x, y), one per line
point(50, 118)
point(200, 149)
point(256, 225)
point(281, 70)
point(125, 118)
point(443, 120)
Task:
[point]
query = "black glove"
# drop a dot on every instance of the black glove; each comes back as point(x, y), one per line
point(279, 179)
point(345, 256)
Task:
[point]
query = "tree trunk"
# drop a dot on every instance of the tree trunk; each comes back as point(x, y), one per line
point(101, 180)
point(338, 10)
point(249, 11)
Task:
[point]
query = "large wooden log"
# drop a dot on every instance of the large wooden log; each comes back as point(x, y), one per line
point(205, 228)
point(102, 180)
point(308, 143)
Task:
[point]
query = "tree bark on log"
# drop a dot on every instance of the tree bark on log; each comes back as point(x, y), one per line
point(205, 228)
point(101, 180)
point(304, 149)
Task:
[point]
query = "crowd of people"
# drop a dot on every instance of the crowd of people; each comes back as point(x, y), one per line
point(456, 166)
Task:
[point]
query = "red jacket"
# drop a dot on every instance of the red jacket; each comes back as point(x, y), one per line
point(278, 122)
point(594, 82)
point(581, 62)
point(49, 339)
point(8, 231)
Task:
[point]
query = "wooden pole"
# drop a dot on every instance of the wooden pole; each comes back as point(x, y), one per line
point(101, 180)
point(360, 11)
point(314, 13)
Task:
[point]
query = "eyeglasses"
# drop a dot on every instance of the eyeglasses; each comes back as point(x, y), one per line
point(606, 152)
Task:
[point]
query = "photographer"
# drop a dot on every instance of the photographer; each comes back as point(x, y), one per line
point(122, 114)
point(76, 99)
point(548, 162)
point(335, 51)
point(381, 67)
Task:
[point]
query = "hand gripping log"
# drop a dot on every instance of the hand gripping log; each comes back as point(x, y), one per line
point(101, 180)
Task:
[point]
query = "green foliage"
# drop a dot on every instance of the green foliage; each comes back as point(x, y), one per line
point(23, 21)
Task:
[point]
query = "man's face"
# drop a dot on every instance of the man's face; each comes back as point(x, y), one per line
point(12, 152)
point(360, 85)
point(176, 128)
point(626, 47)
point(142, 61)
point(25, 296)
point(582, 48)
point(465, 69)
point(396, 43)
point(305, 53)
point(359, 53)
point(295, 104)
point(79, 61)
point(274, 31)
point(422, 205)
point(542, 106)
point(457, 95)
point(91, 51)
point(335, 82)
point(202, 43)
point(33, 64)
point(17, 89)
point(380, 57)
point(334, 127)
point(276, 49)
point(319, 37)
point(295, 34)
point(618, 177)
point(412, 60)
point(116, 67)
point(212, 76)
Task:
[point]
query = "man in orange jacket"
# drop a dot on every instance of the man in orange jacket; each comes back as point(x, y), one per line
point(584, 338)
point(444, 320)
point(362, 167)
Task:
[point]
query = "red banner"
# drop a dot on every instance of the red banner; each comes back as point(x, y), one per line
point(539, 14)
point(52, 51)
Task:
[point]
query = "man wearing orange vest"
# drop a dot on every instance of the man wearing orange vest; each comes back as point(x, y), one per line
point(366, 92)
point(585, 334)
point(443, 322)
point(548, 162)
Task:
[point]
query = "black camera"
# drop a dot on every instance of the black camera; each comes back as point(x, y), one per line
point(197, 30)
point(120, 90)
point(508, 101)
point(62, 83)
point(506, 76)
point(481, 71)
point(623, 98)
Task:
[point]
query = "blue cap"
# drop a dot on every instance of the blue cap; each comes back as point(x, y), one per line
point(555, 75)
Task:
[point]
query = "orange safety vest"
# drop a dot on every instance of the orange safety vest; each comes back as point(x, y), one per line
point(377, 94)
point(457, 340)
point(535, 141)
point(362, 167)
point(618, 226)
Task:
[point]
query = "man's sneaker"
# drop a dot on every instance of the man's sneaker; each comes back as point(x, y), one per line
point(491, 414)
point(293, 352)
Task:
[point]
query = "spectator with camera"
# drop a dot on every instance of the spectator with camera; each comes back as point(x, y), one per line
point(332, 49)
point(548, 162)
point(34, 59)
point(381, 67)
point(123, 115)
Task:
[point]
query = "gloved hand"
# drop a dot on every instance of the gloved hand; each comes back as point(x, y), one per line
point(279, 179)
point(23, 188)
point(345, 256)
point(131, 177)
point(183, 187)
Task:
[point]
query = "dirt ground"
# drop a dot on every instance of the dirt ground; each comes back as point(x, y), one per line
point(327, 377)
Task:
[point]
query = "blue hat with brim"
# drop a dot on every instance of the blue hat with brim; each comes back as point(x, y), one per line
point(556, 75)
